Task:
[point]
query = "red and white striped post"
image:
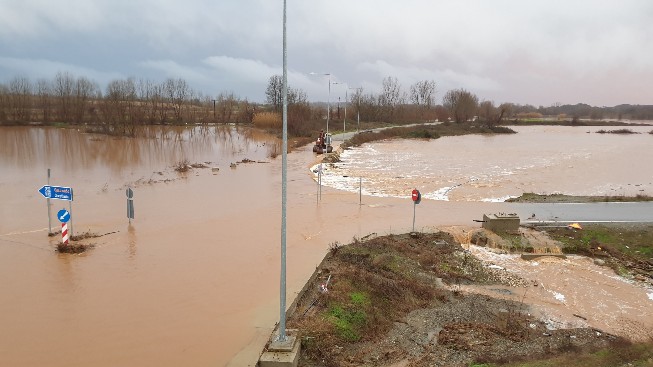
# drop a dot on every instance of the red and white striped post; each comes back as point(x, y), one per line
point(64, 233)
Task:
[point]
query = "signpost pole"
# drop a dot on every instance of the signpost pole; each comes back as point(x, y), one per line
point(414, 206)
point(48, 204)
point(64, 217)
point(59, 193)
point(416, 196)
point(71, 215)
point(360, 191)
point(64, 234)
point(130, 204)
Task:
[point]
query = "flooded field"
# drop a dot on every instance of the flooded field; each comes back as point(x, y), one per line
point(194, 280)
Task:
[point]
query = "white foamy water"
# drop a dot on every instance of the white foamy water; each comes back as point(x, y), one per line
point(540, 159)
point(561, 290)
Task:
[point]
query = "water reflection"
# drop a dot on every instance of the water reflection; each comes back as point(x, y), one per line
point(71, 150)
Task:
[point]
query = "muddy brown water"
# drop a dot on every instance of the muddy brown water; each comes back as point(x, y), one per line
point(194, 280)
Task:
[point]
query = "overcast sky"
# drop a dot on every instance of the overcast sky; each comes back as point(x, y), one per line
point(530, 52)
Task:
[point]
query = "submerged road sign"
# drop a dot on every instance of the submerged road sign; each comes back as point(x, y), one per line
point(63, 215)
point(57, 192)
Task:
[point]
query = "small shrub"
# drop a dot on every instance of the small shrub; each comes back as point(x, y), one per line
point(183, 165)
point(618, 131)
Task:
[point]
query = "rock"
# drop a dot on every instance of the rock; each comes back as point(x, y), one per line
point(599, 262)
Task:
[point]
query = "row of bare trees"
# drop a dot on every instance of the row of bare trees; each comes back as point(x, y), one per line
point(124, 103)
point(128, 103)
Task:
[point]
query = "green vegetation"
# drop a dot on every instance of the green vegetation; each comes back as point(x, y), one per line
point(626, 354)
point(621, 241)
point(529, 197)
point(617, 131)
point(348, 322)
point(425, 132)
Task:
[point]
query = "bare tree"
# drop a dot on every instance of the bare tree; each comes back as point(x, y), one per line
point(177, 92)
point(487, 112)
point(20, 92)
point(84, 90)
point(274, 92)
point(4, 103)
point(422, 94)
point(391, 96)
point(63, 89)
point(226, 103)
point(44, 93)
point(461, 104)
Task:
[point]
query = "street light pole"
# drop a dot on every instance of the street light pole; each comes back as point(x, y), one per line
point(344, 120)
point(328, 102)
point(284, 178)
point(213, 109)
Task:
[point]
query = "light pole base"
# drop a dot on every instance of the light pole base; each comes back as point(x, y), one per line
point(281, 353)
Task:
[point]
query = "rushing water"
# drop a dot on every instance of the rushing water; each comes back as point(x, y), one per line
point(194, 279)
point(542, 159)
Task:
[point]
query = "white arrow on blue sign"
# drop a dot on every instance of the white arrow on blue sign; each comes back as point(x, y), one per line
point(57, 192)
point(63, 215)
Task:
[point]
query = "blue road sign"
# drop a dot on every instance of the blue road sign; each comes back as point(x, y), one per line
point(63, 215)
point(57, 192)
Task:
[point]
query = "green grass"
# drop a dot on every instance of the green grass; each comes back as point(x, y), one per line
point(360, 299)
point(348, 322)
point(635, 355)
point(634, 241)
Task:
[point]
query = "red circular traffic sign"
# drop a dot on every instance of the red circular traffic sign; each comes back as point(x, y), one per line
point(415, 196)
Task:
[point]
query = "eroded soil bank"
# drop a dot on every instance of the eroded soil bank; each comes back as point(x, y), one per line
point(427, 300)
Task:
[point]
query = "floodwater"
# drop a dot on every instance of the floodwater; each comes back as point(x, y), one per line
point(194, 280)
point(574, 292)
point(541, 159)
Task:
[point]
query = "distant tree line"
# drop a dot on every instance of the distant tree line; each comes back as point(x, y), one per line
point(122, 106)
point(128, 103)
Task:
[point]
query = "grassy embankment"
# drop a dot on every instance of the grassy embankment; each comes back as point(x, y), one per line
point(626, 354)
point(530, 197)
point(567, 122)
point(425, 132)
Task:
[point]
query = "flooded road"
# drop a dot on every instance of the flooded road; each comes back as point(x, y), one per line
point(194, 279)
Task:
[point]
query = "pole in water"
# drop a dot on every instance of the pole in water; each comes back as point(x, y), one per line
point(130, 204)
point(360, 191)
point(319, 181)
point(64, 234)
point(71, 214)
point(48, 204)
